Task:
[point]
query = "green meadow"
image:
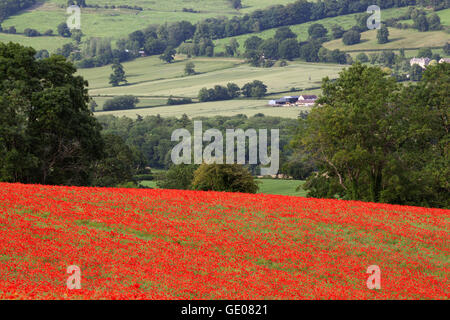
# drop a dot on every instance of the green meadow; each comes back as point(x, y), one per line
point(163, 80)
point(119, 22)
point(266, 186)
point(405, 38)
point(345, 21)
point(211, 109)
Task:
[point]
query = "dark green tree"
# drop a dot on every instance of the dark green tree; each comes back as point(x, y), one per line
point(63, 30)
point(421, 23)
point(337, 32)
point(189, 68)
point(317, 31)
point(47, 132)
point(383, 35)
point(119, 163)
point(224, 177)
point(168, 55)
point(416, 72)
point(178, 177)
point(425, 53)
point(351, 136)
point(289, 49)
point(253, 43)
point(447, 48)
point(118, 75)
point(351, 37)
point(284, 33)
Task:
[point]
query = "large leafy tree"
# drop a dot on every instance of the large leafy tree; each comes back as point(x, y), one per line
point(352, 132)
point(118, 75)
point(224, 177)
point(374, 140)
point(47, 132)
point(383, 35)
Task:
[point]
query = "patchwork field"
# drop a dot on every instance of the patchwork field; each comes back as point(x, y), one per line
point(162, 244)
point(143, 82)
point(118, 22)
point(345, 21)
point(407, 38)
point(211, 109)
point(144, 70)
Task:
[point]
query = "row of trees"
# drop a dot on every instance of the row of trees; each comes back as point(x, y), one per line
point(284, 45)
point(151, 135)
point(196, 40)
point(255, 89)
point(10, 7)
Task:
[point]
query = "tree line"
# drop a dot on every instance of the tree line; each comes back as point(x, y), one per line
point(11, 7)
point(196, 40)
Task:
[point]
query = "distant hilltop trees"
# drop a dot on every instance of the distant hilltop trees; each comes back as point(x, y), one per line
point(10, 7)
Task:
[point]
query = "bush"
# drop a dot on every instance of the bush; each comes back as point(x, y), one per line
point(178, 177)
point(255, 89)
point(31, 32)
point(224, 177)
point(173, 102)
point(362, 57)
point(351, 37)
point(121, 103)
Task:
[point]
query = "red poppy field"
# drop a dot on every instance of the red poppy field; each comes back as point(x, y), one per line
point(166, 244)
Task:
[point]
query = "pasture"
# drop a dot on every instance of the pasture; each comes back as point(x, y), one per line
point(406, 38)
point(281, 187)
point(38, 43)
point(345, 21)
point(119, 22)
point(211, 109)
point(148, 69)
point(145, 83)
point(266, 186)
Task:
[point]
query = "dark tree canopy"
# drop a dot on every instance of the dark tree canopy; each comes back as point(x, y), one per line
point(372, 139)
point(47, 132)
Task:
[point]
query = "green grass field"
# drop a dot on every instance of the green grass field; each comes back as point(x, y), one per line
point(116, 23)
point(211, 109)
point(408, 38)
point(143, 102)
point(266, 186)
point(162, 80)
point(144, 70)
point(281, 187)
point(38, 43)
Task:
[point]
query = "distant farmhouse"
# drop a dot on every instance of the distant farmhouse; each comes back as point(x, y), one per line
point(301, 101)
point(422, 62)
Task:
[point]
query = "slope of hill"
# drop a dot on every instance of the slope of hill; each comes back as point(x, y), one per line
point(118, 22)
point(345, 21)
point(161, 244)
point(168, 79)
point(406, 38)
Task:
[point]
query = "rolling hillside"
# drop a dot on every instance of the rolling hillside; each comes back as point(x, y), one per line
point(167, 244)
point(119, 22)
